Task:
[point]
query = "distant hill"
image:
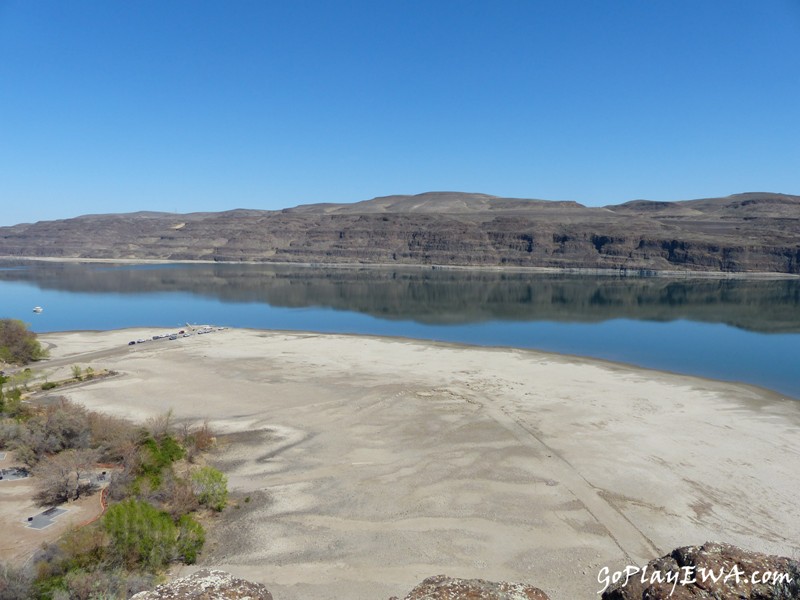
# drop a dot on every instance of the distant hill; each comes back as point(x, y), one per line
point(753, 232)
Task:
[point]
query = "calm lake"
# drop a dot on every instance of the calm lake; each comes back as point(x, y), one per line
point(739, 330)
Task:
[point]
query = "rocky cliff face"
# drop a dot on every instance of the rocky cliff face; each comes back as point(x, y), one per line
point(747, 232)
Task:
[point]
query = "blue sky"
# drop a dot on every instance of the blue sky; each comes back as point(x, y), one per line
point(197, 106)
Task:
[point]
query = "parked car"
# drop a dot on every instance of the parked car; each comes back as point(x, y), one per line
point(131, 343)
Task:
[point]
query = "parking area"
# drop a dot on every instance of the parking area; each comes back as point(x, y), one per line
point(12, 474)
point(45, 518)
point(190, 331)
point(25, 526)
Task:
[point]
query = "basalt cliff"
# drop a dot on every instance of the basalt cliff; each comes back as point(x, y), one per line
point(754, 232)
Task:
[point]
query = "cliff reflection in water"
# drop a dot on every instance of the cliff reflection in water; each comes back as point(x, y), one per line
point(440, 296)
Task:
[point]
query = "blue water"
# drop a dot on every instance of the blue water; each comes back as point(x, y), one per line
point(715, 350)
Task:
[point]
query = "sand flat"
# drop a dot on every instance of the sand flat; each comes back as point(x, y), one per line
point(373, 463)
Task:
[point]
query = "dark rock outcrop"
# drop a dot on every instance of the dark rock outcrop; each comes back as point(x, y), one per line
point(207, 585)
point(442, 587)
point(712, 571)
point(747, 232)
point(689, 573)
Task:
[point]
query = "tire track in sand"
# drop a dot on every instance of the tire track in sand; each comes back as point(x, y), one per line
point(636, 547)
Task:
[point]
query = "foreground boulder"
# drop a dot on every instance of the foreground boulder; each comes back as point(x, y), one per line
point(207, 585)
point(711, 571)
point(442, 587)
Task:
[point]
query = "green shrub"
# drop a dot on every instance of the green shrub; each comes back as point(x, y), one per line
point(18, 344)
point(11, 402)
point(191, 537)
point(140, 535)
point(156, 456)
point(49, 385)
point(211, 487)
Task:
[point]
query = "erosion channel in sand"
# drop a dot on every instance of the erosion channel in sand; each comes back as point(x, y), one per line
point(372, 463)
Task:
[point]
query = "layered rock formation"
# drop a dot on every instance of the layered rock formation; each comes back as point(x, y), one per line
point(756, 232)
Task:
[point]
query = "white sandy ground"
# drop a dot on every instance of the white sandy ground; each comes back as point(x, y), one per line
point(377, 462)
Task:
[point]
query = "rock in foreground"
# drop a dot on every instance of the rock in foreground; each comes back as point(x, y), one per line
point(739, 576)
point(442, 587)
point(207, 585)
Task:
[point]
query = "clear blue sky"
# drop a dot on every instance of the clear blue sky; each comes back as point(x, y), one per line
point(193, 106)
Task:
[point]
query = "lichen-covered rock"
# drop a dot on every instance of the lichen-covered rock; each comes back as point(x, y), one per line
point(207, 585)
point(442, 587)
point(711, 572)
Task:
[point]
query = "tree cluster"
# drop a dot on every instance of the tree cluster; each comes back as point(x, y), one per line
point(18, 345)
point(155, 492)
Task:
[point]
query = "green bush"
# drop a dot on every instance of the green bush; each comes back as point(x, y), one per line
point(141, 536)
point(211, 487)
point(11, 401)
point(191, 537)
point(156, 456)
point(18, 344)
point(49, 385)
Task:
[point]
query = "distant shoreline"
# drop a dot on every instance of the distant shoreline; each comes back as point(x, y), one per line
point(643, 273)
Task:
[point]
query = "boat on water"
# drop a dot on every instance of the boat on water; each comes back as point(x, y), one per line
point(37, 309)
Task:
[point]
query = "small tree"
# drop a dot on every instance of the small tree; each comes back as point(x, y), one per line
point(211, 487)
point(61, 426)
point(161, 425)
point(76, 372)
point(62, 477)
point(115, 437)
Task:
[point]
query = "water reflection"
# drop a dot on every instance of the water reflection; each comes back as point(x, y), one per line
point(441, 297)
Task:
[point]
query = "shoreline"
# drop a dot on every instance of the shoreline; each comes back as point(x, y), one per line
point(374, 462)
point(762, 390)
point(633, 272)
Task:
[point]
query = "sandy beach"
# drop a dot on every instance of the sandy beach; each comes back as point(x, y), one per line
point(372, 463)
